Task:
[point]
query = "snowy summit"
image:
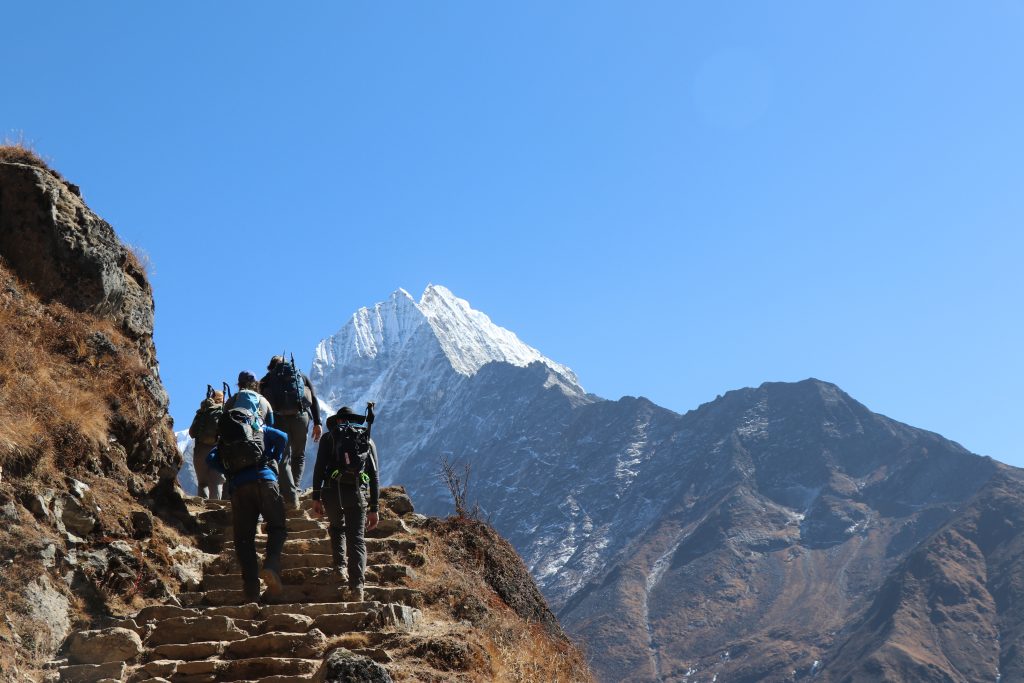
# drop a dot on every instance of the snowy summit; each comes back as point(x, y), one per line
point(401, 330)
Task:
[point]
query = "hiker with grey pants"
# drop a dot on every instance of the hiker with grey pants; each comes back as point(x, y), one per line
point(291, 395)
point(346, 487)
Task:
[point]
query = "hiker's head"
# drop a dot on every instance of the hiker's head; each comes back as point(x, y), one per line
point(346, 414)
point(217, 396)
point(274, 362)
point(247, 380)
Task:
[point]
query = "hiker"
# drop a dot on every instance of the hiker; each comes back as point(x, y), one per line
point(249, 397)
point(346, 466)
point(249, 452)
point(203, 429)
point(294, 402)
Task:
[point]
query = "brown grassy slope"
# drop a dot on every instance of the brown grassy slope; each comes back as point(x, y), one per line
point(483, 618)
point(474, 579)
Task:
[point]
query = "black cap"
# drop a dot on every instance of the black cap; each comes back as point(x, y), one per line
point(246, 377)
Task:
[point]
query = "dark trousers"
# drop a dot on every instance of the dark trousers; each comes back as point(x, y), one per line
point(248, 502)
point(346, 510)
point(294, 461)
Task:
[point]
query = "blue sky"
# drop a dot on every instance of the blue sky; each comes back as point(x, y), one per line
point(674, 199)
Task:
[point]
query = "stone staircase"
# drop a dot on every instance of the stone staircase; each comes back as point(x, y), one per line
point(211, 634)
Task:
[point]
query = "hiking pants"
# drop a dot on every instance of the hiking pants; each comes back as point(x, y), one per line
point(209, 481)
point(346, 510)
point(297, 428)
point(248, 502)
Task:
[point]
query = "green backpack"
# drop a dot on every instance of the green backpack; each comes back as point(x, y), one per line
point(204, 424)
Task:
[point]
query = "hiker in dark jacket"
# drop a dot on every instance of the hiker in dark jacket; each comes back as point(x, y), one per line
point(292, 412)
point(209, 482)
point(254, 491)
point(343, 494)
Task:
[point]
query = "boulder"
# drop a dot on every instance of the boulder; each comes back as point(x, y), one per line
point(76, 517)
point(106, 645)
point(344, 666)
point(47, 605)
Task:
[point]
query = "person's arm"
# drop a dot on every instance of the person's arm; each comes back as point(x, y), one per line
point(213, 460)
point(314, 404)
point(275, 442)
point(268, 412)
point(319, 467)
point(371, 471)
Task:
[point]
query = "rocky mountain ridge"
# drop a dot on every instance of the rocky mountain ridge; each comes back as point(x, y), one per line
point(746, 540)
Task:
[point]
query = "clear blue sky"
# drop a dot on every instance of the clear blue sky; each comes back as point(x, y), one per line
point(675, 199)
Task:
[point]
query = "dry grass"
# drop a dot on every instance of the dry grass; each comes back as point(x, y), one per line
point(517, 650)
point(63, 375)
point(20, 151)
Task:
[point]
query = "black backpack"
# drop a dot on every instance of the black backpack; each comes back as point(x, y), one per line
point(285, 389)
point(351, 449)
point(241, 441)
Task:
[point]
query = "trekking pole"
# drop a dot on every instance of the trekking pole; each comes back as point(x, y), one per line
point(209, 391)
point(227, 391)
point(369, 417)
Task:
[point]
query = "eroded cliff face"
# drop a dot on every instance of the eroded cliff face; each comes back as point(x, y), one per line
point(86, 445)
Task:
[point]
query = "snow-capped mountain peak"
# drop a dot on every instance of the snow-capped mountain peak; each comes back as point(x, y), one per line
point(393, 330)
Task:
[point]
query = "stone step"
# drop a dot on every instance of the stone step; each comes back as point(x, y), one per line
point(259, 668)
point(188, 629)
point(228, 564)
point(188, 651)
point(309, 645)
point(235, 596)
point(300, 594)
point(90, 673)
point(379, 574)
point(323, 546)
point(264, 669)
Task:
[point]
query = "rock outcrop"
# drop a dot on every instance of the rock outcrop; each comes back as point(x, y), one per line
point(87, 454)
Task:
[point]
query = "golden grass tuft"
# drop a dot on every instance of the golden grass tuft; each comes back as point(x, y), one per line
point(20, 151)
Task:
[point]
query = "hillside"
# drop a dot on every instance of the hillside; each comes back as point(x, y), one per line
point(759, 537)
point(99, 549)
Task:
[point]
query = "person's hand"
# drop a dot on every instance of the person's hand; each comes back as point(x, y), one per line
point(317, 431)
point(371, 521)
point(318, 508)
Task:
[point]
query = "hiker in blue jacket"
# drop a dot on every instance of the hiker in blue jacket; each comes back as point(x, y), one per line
point(255, 491)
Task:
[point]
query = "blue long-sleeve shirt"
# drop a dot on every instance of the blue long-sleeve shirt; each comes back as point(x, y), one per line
point(275, 442)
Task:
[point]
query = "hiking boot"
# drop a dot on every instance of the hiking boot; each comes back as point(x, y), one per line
point(356, 593)
point(272, 579)
point(342, 573)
